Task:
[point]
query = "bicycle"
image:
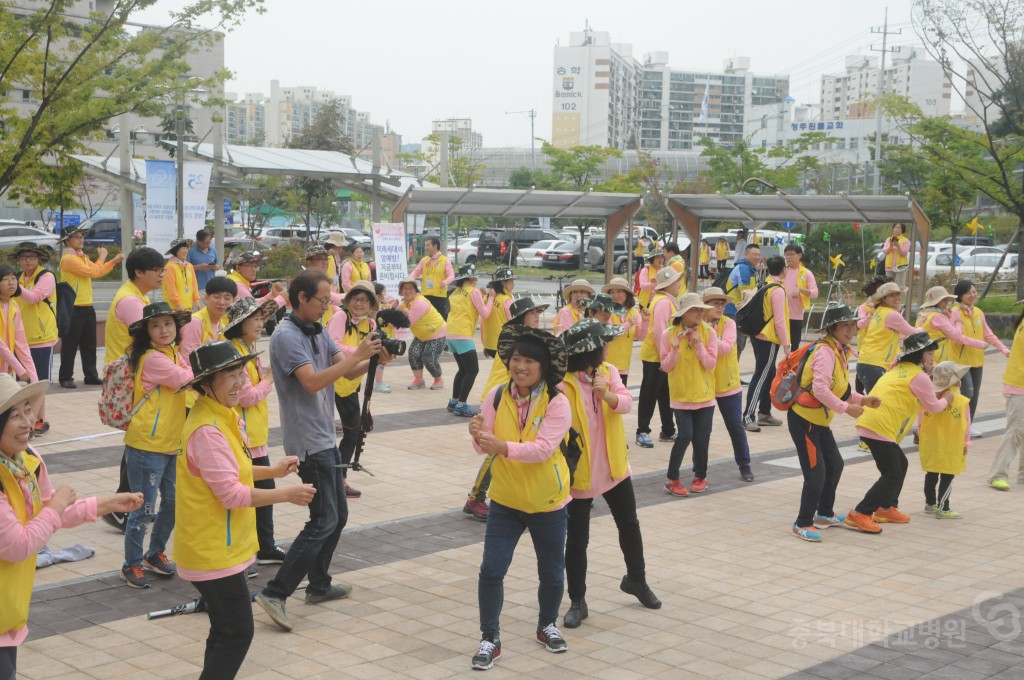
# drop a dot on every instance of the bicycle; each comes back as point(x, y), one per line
point(559, 298)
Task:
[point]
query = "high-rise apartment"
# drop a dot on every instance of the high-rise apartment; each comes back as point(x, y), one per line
point(851, 94)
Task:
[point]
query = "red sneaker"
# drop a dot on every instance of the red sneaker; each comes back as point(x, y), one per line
point(698, 485)
point(676, 488)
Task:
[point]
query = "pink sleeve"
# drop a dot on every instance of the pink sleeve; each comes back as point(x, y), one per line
point(43, 289)
point(967, 430)
point(77, 513)
point(954, 332)
point(336, 328)
point(552, 430)
point(209, 457)
point(417, 309)
point(779, 316)
point(564, 319)
point(483, 308)
point(991, 337)
point(254, 394)
point(864, 313)
point(129, 310)
point(615, 385)
point(728, 338)
point(21, 346)
point(191, 334)
point(281, 302)
point(887, 246)
point(812, 285)
point(646, 282)
point(659, 322)
point(415, 273)
point(508, 308)
point(905, 246)
point(921, 386)
point(346, 276)
point(642, 327)
point(157, 369)
point(896, 322)
point(8, 360)
point(449, 273)
point(823, 363)
point(668, 354)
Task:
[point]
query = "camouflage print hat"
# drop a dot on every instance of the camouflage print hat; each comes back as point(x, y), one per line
point(316, 253)
point(601, 303)
point(240, 257)
point(587, 335)
point(518, 309)
point(514, 333)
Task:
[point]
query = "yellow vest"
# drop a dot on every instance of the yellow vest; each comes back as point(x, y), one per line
point(942, 437)
point(81, 286)
point(493, 323)
point(241, 281)
point(157, 425)
point(688, 381)
point(901, 259)
point(769, 332)
point(182, 278)
point(40, 319)
point(343, 387)
point(361, 271)
point(527, 487)
point(256, 418)
point(206, 335)
point(722, 250)
point(332, 272)
point(433, 275)
point(643, 298)
point(895, 417)
point(801, 282)
point(648, 350)
point(207, 535)
point(974, 327)
point(727, 367)
point(840, 384)
point(462, 317)
point(705, 255)
point(8, 330)
point(498, 376)
point(614, 432)
point(115, 334)
point(1014, 375)
point(863, 311)
point(880, 345)
point(426, 325)
point(18, 577)
point(574, 312)
point(924, 320)
point(679, 264)
point(620, 350)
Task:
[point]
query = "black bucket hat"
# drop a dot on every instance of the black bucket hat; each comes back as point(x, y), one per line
point(916, 342)
point(465, 272)
point(155, 309)
point(29, 247)
point(178, 243)
point(243, 308)
point(513, 333)
point(520, 307)
point(504, 274)
point(213, 357)
point(837, 314)
point(587, 335)
point(68, 233)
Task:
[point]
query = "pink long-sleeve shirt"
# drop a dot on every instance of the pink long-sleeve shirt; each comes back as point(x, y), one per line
point(449, 272)
point(725, 344)
point(646, 281)
point(129, 310)
point(954, 331)
point(417, 309)
point(564, 320)
point(796, 303)
point(707, 355)
point(158, 369)
point(778, 299)
point(903, 246)
point(657, 323)
point(336, 329)
point(483, 309)
point(18, 358)
point(823, 364)
point(192, 335)
point(252, 395)
point(921, 386)
point(209, 457)
point(957, 318)
point(553, 427)
point(244, 290)
point(896, 322)
point(19, 542)
point(600, 470)
point(38, 293)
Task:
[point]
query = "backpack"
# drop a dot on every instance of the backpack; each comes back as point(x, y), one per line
point(65, 308)
point(786, 389)
point(721, 279)
point(750, 318)
point(116, 400)
point(570, 446)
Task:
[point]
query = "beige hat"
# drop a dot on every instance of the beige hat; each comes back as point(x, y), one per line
point(688, 302)
point(336, 239)
point(885, 289)
point(934, 295)
point(578, 284)
point(947, 374)
point(714, 293)
point(13, 393)
point(745, 297)
point(617, 284)
point(666, 277)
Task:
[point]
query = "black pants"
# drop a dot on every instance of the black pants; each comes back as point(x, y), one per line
point(971, 388)
point(264, 514)
point(694, 426)
point(721, 265)
point(81, 336)
point(892, 464)
point(229, 605)
point(705, 271)
point(8, 663)
point(469, 368)
point(622, 503)
point(796, 327)
point(821, 464)
point(944, 482)
point(348, 411)
point(759, 394)
point(654, 390)
point(440, 303)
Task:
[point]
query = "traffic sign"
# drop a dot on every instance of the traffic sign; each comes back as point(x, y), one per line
point(958, 260)
point(788, 225)
point(227, 206)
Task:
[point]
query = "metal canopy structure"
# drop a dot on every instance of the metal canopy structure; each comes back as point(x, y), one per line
point(615, 209)
point(692, 209)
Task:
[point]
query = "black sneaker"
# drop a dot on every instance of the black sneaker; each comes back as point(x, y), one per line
point(273, 556)
point(160, 565)
point(577, 612)
point(93, 381)
point(746, 475)
point(484, 658)
point(552, 639)
point(641, 591)
point(135, 577)
point(118, 520)
point(252, 571)
point(352, 492)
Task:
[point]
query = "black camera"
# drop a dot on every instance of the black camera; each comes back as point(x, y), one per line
point(394, 347)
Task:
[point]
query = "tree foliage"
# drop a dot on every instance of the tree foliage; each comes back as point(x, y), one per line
point(312, 197)
point(730, 166)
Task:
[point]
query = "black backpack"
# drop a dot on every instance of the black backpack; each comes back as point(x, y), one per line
point(570, 446)
point(750, 318)
point(722, 279)
point(65, 307)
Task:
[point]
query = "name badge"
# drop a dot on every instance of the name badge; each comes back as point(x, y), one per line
point(430, 283)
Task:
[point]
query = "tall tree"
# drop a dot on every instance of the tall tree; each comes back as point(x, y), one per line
point(313, 197)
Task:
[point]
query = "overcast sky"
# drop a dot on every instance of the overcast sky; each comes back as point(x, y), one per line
point(408, 63)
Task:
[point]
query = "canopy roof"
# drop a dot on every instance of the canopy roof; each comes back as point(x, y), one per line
point(514, 203)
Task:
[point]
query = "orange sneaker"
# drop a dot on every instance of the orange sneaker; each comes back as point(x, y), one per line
point(891, 515)
point(862, 522)
point(676, 488)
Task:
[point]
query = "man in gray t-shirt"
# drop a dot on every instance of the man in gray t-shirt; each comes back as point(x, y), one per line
point(305, 364)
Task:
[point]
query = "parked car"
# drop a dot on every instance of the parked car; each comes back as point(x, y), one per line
point(13, 232)
point(105, 231)
point(564, 256)
point(620, 259)
point(356, 236)
point(463, 251)
point(533, 255)
point(501, 245)
point(976, 263)
point(970, 241)
point(276, 236)
point(569, 235)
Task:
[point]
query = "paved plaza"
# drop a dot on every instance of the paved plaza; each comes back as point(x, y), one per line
point(742, 597)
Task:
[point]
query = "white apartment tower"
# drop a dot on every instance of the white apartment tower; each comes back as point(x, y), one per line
point(461, 128)
point(851, 94)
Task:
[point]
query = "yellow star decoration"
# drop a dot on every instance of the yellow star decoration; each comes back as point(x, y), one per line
point(837, 261)
point(973, 226)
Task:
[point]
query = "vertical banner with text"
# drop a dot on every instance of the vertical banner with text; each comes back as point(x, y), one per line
point(390, 255)
point(161, 221)
point(197, 189)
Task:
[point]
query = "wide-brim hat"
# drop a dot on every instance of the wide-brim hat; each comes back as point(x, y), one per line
point(316, 253)
point(336, 239)
point(578, 284)
point(934, 295)
point(713, 293)
point(240, 257)
point(178, 243)
point(835, 314)
point(29, 247)
point(688, 302)
point(617, 284)
point(466, 272)
point(745, 297)
point(602, 303)
point(666, 277)
point(13, 393)
point(885, 289)
point(519, 309)
point(409, 279)
point(155, 309)
point(513, 333)
point(504, 274)
point(653, 253)
point(68, 233)
point(946, 374)
point(916, 342)
point(243, 308)
point(363, 287)
point(212, 357)
point(587, 335)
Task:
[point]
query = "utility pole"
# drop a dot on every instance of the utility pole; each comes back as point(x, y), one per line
point(885, 32)
point(533, 137)
point(443, 169)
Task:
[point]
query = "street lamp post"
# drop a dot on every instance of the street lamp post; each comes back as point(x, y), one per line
point(179, 134)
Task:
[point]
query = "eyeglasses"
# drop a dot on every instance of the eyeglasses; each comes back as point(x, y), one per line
point(324, 301)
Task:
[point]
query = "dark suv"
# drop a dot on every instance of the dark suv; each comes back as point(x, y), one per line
point(502, 245)
point(103, 232)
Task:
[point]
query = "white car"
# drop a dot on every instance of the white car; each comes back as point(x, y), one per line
point(15, 232)
point(937, 262)
point(984, 264)
point(533, 255)
point(463, 251)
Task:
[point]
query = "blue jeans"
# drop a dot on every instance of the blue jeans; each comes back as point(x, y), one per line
point(692, 426)
point(313, 548)
point(149, 473)
point(731, 408)
point(504, 527)
point(868, 375)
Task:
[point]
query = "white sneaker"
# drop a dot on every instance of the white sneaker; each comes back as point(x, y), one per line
point(976, 433)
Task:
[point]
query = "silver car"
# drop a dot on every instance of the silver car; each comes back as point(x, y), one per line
point(13, 232)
